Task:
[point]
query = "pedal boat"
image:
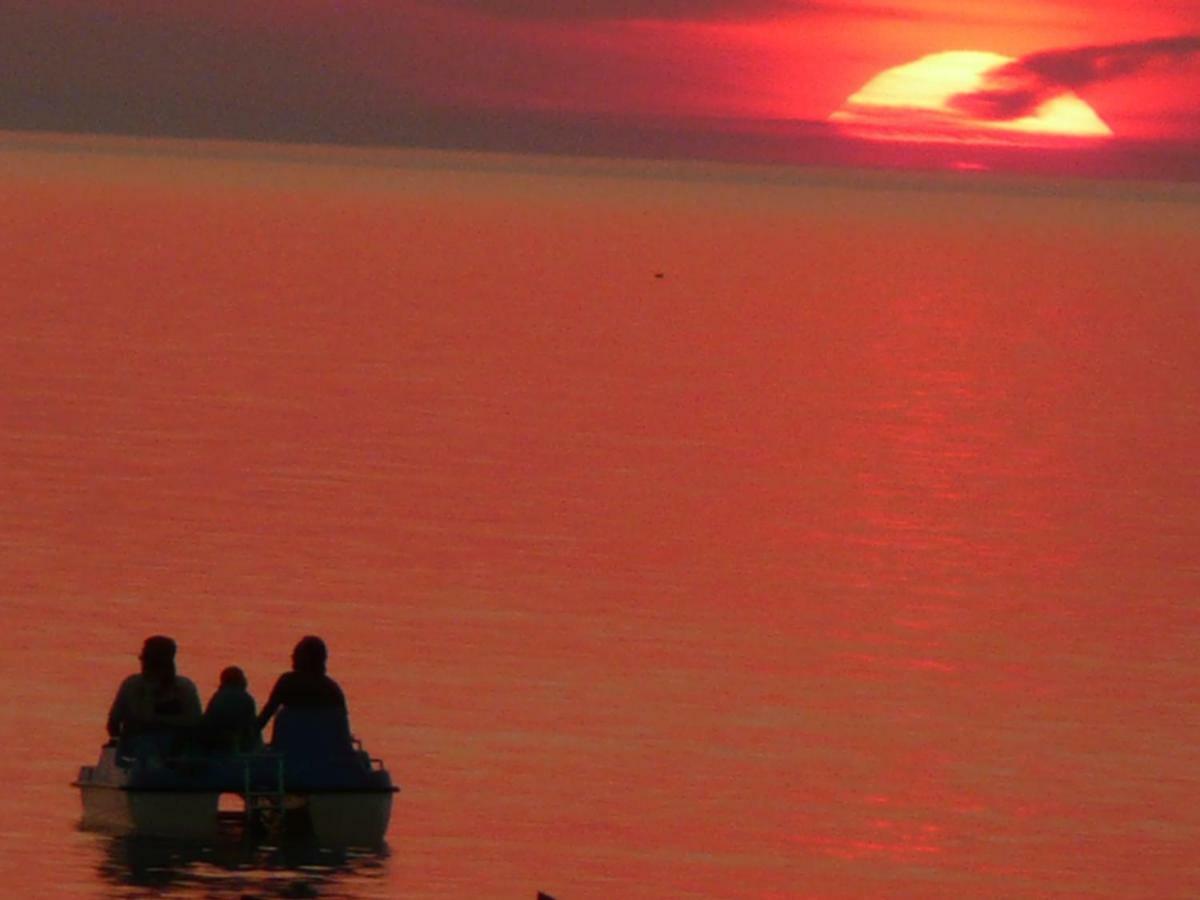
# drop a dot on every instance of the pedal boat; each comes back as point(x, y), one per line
point(305, 783)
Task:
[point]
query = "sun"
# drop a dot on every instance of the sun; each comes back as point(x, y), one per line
point(913, 102)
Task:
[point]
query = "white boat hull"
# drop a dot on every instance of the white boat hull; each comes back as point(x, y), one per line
point(349, 818)
point(116, 799)
point(166, 814)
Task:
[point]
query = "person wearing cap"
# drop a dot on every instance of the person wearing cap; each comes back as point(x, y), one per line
point(157, 698)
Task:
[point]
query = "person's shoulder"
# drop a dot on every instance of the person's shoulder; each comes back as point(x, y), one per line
point(187, 684)
point(285, 679)
point(131, 682)
point(335, 688)
point(232, 697)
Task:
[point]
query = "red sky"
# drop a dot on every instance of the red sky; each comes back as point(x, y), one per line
point(470, 72)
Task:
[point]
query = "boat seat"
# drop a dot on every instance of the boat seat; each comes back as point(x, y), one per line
point(318, 750)
point(312, 733)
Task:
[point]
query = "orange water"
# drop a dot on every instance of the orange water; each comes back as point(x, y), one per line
point(856, 555)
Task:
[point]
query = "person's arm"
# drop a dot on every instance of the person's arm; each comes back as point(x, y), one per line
point(249, 738)
point(192, 710)
point(118, 713)
point(115, 717)
point(340, 695)
point(272, 703)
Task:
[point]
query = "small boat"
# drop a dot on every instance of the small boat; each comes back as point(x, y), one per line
point(308, 781)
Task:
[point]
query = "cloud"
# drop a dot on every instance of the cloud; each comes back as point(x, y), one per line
point(623, 9)
point(125, 66)
point(1020, 87)
point(665, 10)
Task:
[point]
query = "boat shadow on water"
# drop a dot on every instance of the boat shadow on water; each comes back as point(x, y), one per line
point(239, 862)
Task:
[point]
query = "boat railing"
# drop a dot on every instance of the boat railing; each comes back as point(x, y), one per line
point(265, 803)
point(374, 763)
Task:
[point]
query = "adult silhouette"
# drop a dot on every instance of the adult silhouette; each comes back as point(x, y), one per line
point(311, 705)
point(157, 698)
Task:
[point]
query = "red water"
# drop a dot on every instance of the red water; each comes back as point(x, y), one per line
point(675, 531)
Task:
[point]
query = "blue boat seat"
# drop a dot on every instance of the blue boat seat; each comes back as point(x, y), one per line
point(318, 750)
point(317, 733)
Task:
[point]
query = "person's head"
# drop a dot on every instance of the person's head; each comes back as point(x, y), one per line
point(158, 657)
point(233, 677)
point(309, 655)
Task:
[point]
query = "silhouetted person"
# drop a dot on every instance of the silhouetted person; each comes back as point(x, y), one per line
point(231, 717)
point(156, 699)
point(311, 706)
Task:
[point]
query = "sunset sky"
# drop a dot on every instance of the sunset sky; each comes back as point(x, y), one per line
point(524, 74)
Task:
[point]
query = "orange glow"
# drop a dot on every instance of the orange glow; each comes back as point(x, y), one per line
point(913, 102)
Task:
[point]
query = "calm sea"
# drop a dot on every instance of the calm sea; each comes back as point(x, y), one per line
point(676, 531)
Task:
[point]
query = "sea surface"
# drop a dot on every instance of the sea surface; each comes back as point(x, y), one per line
point(676, 530)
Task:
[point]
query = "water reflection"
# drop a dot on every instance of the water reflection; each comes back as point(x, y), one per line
point(237, 865)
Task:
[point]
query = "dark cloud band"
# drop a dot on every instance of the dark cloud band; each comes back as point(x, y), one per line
point(669, 10)
point(623, 9)
point(1020, 87)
